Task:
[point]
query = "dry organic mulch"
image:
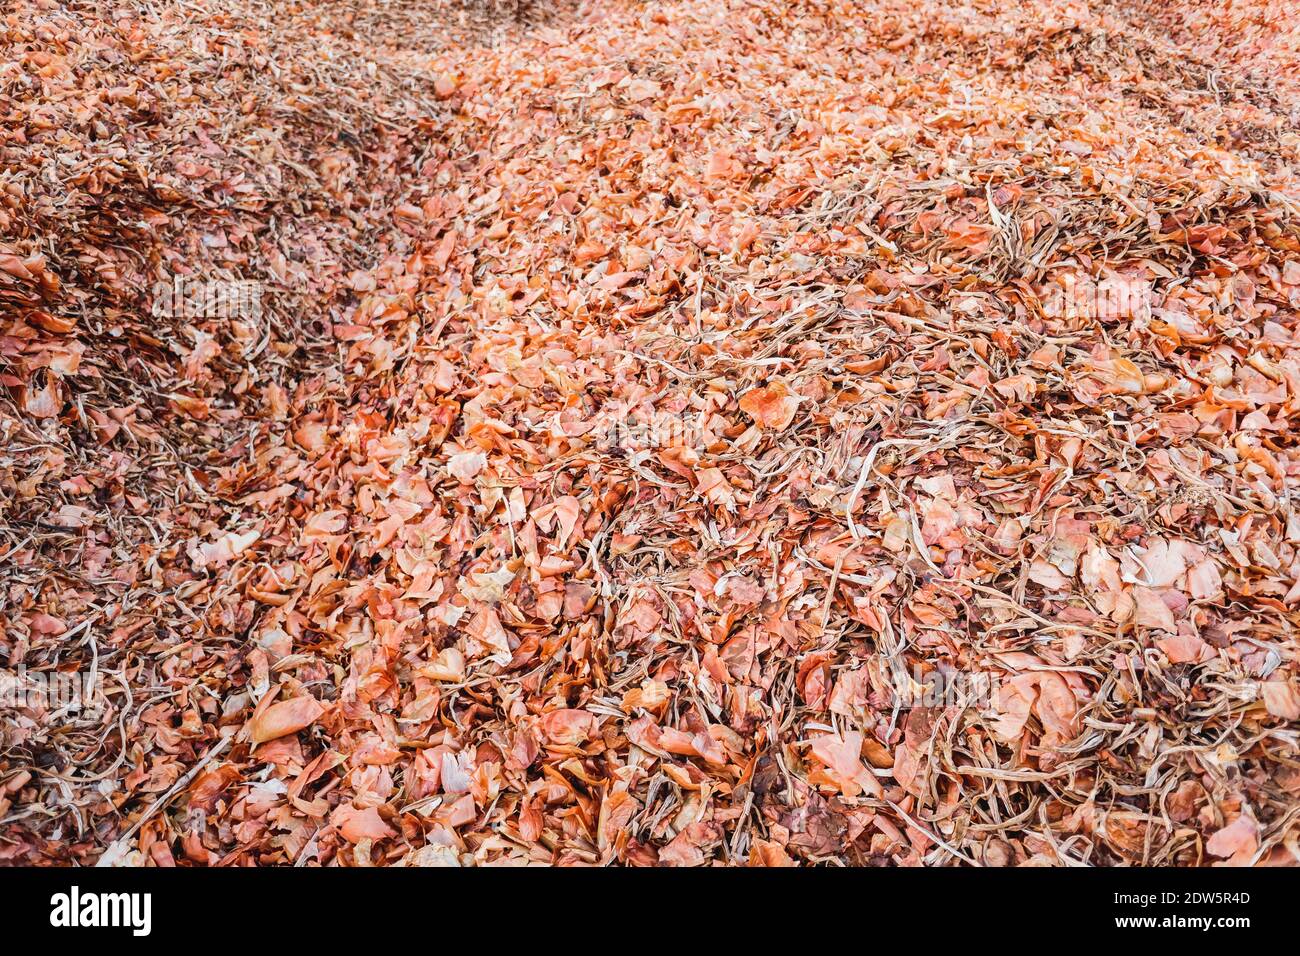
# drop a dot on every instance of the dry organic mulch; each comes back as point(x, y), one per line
point(662, 441)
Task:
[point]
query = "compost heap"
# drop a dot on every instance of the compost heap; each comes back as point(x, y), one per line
point(696, 433)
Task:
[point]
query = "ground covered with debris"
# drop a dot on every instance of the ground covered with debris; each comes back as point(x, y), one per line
point(723, 432)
